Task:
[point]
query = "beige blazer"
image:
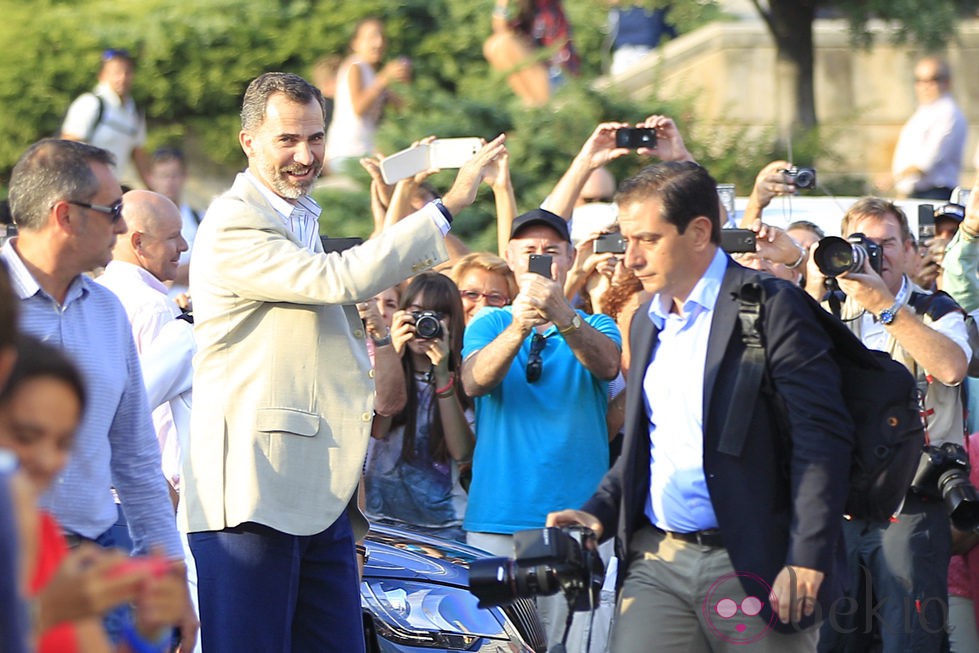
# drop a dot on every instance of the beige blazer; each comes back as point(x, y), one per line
point(283, 387)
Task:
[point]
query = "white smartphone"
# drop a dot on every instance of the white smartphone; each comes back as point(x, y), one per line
point(452, 152)
point(405, 163)
point(441, 153)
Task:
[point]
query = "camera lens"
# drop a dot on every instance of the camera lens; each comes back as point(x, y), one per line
point(805, 178)
point(499, 581)
point(834, 256)
point(427, 326)
point(961, 499)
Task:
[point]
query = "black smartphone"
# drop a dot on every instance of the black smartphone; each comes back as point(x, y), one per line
point(612, 243)
point(738, 241)
point(635, 137)
point(339, 244)
point(926, 222)
point(540, 264)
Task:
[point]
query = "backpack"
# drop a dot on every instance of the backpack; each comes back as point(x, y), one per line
point(881, 396)
point(95, 123)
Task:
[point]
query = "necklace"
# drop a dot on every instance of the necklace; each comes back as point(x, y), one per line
point(426, 376)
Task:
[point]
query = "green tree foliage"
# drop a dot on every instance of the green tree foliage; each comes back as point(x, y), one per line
point(195, 59)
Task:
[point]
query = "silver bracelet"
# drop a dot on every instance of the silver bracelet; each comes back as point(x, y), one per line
point(382, 342)
point(802, 257)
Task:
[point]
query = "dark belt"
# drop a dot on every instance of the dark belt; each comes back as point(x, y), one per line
point(710, 537)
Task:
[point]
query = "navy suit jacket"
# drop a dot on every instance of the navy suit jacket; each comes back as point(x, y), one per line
point(777, 503)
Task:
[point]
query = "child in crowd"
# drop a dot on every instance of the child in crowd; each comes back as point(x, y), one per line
point(40, 409)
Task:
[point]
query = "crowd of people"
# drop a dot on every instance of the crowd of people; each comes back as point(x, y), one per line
point(201, 412)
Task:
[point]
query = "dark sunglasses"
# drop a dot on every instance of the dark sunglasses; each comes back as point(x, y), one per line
point(114, 211)
point(535, 364)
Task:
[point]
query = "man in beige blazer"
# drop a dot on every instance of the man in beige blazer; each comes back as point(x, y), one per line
point(283, 388)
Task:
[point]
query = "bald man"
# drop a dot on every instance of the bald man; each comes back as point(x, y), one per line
point(143, 259)
point(928, 157)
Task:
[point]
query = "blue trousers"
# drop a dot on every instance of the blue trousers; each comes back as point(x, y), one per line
point(899, 577)
point(263, 590)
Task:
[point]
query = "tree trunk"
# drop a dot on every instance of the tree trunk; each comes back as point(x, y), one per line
point(790, 22)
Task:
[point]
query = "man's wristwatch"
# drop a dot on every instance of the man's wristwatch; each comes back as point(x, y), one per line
point(888, 314)
point(381, 342)
point(574, 326)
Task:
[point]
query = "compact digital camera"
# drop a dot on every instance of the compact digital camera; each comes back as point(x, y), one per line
point(801, 177)
point(428, 325)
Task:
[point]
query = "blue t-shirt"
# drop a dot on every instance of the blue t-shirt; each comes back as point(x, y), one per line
point(540, 446)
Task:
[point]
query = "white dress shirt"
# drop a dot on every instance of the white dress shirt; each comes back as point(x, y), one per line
point(149, 311)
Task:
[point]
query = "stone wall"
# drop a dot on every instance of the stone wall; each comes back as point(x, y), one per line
point(862, 95)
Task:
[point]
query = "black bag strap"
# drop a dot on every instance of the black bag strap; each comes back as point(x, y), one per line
point(750, 371)
point(98, 119)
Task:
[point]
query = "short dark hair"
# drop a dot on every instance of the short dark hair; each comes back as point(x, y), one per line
point(264, 86)
point(169, 153)
point(685, 191)
point(49, 171)
point(37, 359)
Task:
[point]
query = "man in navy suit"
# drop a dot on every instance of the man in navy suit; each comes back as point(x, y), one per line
point(718, 550)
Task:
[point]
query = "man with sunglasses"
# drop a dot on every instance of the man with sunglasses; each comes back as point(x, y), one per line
point(539, 371)
point(67, 205)
point(928, 156)
point(108, 117)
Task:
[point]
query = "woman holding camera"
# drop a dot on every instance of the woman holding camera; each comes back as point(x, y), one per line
point(412, 476)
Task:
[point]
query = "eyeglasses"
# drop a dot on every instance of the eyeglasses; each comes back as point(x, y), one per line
point(114, 211)
point(492, 298)
point(535, 364)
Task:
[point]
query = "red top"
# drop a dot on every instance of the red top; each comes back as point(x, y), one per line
point(52, 549)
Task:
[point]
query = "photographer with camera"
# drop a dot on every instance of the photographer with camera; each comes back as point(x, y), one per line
point(412, 474)
point(539, 373)
point(697, 530)
point(905, 559)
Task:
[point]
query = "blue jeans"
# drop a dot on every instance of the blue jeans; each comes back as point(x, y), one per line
point(264, 590)
point(899, 577)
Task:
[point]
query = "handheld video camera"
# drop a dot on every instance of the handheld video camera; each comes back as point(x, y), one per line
point(545, 560)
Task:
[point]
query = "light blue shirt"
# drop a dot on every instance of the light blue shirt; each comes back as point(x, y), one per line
point(115, 445)
point(673, 388)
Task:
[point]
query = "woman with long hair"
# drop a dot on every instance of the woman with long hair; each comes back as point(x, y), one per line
point(412, 476)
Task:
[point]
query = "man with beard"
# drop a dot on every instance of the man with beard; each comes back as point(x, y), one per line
point(283, 389)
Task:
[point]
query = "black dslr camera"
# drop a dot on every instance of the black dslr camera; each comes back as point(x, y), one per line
point(943, 473)
point(801, 177)
point(427, 325)
point(544, 561)
point(834, 256)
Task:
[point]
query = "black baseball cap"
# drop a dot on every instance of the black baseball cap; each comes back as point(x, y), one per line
point(544, 217)
point(950, 211)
